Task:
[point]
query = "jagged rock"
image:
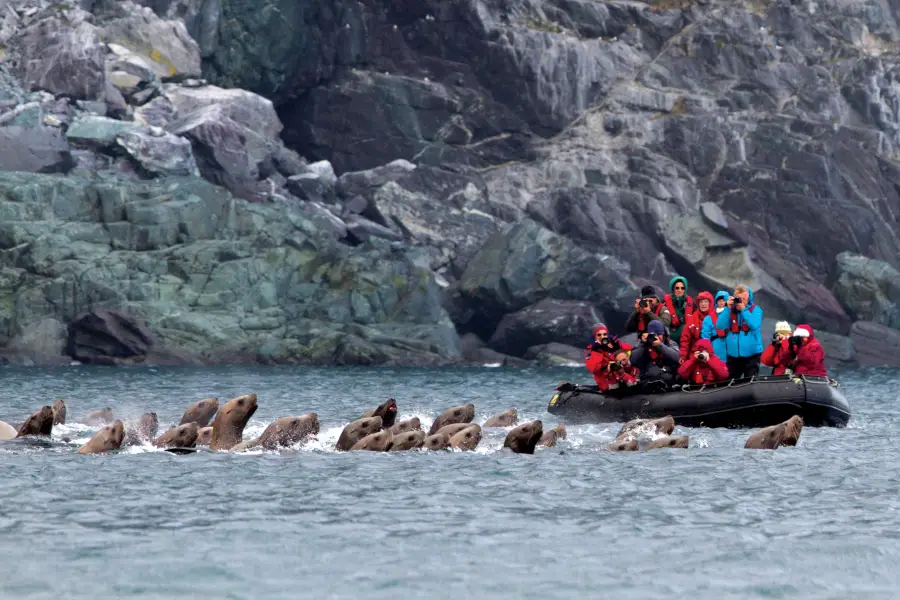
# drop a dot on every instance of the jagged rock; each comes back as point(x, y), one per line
point(310, 187)
point(474, 351)
point(360, 229)
point(251, 111)
point(91, 131)
point(876, 345)
point(869, 289)
point(560, 321)
point(39, 343)
point(158, 112)
point(34, 149)
point(527, 264)
point(201, 17)
point(61, 53)
point(165, 46)
point(556, 355)
point(216, 279)
point(159, 153)
point(108, 337)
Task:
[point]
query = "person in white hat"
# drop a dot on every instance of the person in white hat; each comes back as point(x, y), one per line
point(778, 354)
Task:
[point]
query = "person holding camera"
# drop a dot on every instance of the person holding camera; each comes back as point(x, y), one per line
point(647, 308)
point(703, 367)
point(602, 353)
point(709, 331)
point(807, 355)
point(656, 359)
point(619, 373)
point(743, 339)
point(694, 329)
point(679, 305)
point(778, 354)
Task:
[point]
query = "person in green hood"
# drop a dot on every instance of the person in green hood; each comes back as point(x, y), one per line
point(680, 305)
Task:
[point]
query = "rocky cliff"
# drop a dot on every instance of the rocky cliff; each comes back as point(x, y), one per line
point(508, 171)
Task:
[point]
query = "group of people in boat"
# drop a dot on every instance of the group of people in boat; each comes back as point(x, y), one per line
point(699, 341)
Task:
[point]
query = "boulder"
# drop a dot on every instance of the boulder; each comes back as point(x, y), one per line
point(34, 150)
point(94, 132)
point(474, 351)
point(251, 111)
point(561, 321)
point(869, 289)
point(159, 153)
point(41, 343)
point(108, 337)
point(61, 52)
point(556, 355)
point(876, 345)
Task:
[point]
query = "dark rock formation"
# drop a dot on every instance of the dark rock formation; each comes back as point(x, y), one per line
point(108, 337)
point(562, 321)
point(869, 289)
point(876, 344)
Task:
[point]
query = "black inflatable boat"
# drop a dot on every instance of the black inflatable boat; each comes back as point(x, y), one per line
point(737, 403)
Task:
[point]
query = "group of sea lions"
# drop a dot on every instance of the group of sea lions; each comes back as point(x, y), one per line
point(376, 430)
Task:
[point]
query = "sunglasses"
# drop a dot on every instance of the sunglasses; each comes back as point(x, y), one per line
point(601, 335)
point(679, 287)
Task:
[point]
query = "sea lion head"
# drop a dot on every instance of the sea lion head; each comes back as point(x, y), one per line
point(561, 432)
point(148, 425)
point(288, 431)
point(463, 413)
point(525, 437)
point(40, 423)
point(59, 412)
point(467, 439)
point(376, 442)
point(408, 440)
point(204, 435)
point(388, 413)
point(793, 427)
point(116, 432)
point(107, 439)
point(438, 441)
point(414, 424)
point(504, 419)
point(183, 436)
point(200, 412)
point(357, 430)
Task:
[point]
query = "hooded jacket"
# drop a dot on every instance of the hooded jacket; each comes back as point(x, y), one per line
point(708, 328)
point(597, 358)
point(660, 363)
point(743, 343)
point(693, 330)
point(680, 309)
point(778, 356)
point(809, 359)
point(698, 372)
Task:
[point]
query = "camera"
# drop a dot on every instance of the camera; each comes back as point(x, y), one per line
point(614, 366)
point(776, 338)
point(645, 302)
point(703, 355)
point(796, 340)
point(651, 337)
point(737, 300)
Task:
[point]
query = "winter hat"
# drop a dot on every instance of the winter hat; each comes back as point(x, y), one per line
point(656, 327)
point(675, 280)
point(705, 296)
point(801, 332)
point(783, 327)
point(648, 291)
point(599, 328)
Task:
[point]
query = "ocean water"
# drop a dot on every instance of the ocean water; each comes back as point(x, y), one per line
point(715, 521)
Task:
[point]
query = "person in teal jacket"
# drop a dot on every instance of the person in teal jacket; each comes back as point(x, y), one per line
point(743, 340)
point(708, 327)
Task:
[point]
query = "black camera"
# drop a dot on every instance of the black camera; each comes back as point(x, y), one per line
point(703, 356)
point(796, 340)
point(614, 366)
point(737, 300)
point(645, 302)
point(651, 337)
point(776, 338)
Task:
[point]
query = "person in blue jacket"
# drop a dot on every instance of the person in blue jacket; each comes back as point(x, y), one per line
point(708, 329)
point(743, 340)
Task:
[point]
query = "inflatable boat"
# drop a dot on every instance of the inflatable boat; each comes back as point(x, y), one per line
point(736, 403)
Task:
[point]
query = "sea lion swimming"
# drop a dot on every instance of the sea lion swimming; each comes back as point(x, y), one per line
point(463, 413)
point(375, 442)
point(525, 437)
point(507, 418)
point(7, 431)
point(40, 423)
point(142, 431)
point(356, 431)
point(286, 432)
point(232, 417)
point(107, 439)
point(204, 436)
point(200, 412)
point(783, 434)
point(437, 441)
point(675, 441)
point(664, 425)
point(59, 412)
point(551, 436)
point(99, 417)
point(387, 412)
point(407, 440)
point(413, 424)
point(183, 436)
point(467, 439)
point(629, 446)
point(454, 428)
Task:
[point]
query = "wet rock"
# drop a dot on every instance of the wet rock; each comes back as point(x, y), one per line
point(159, 153)
point(108, 337)
point(40, 343)
point(556, 355)
point(562, 321)
point(91, 131)
point(868, 288)
point(876, 345)
point(34, 150)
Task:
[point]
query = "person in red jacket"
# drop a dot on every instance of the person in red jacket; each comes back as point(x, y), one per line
point(703, 366)
point(807, 355)
point(619, 373)
point(691, 332)
point(602, 352)
point(778, 353)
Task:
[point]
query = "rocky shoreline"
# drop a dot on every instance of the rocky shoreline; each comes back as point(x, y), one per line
point(463, 182)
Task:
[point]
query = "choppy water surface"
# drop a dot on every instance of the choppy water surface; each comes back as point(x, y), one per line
point(714, 521)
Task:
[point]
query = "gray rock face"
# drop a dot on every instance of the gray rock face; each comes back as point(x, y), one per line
point(108, 337)
point(869, 289)
point(876, 344)
point(34, 150)
point(159, 153)
point(549, 321)
point(214, 278)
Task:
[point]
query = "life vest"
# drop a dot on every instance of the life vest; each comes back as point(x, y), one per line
point(688, 309)
point(657, 359)
point(642, 324)
point(701, 378)
point(734, 321)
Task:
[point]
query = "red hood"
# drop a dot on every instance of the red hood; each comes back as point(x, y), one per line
point(599, 328)
point(703, 345)
point(812, 335)
point(705, 296)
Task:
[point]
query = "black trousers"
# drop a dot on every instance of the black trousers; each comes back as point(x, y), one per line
point(744, 366)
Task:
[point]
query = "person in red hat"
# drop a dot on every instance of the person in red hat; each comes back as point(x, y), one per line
point(601, 353)
point(807, 354)
point(694, 327)
point(703, 366)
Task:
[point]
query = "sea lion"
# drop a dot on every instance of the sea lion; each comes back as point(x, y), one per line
point(7, 431)
point(664, 425)
point(463, 413)
point(40, 423)
point(232, 417)
point(59, 412)
point(407, 440)
point(524, 438)
point(99, 417)
point(629, 446)
point(467, 439)
point(454, 428)
point(387, 412)
point(438, 441)
point(551, 436)
point(288, 431)
point(376, 442)
point(356, 431)
point(107, 439)
point(675, 441)
point(507, 418)
point(183, 436)
point(204, 435)
point(783, 434)
point(142, 431)
point(413, 424)
point(200, 412)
